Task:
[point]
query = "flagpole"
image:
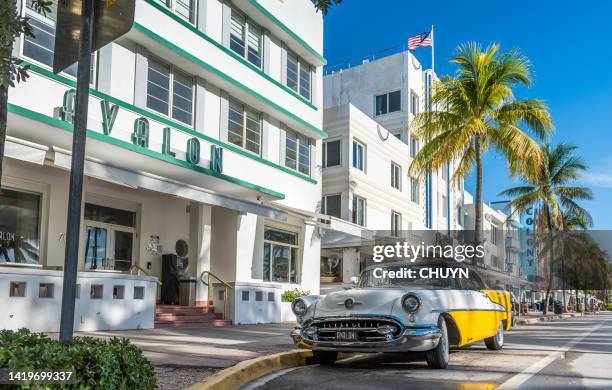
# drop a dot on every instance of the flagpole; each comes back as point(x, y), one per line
point(433, 42)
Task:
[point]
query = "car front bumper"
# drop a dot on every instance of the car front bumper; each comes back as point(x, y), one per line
point(411, 340)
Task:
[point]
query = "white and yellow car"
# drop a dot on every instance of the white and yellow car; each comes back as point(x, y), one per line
point(386, 313)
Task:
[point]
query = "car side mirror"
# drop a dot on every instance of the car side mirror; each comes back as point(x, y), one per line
point(354, 280)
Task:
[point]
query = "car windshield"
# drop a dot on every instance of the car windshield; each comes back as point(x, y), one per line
point(422, 276)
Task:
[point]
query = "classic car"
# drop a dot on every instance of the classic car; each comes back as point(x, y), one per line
point(385, 313)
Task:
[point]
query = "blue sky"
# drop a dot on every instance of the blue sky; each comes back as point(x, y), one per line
point(568, 45)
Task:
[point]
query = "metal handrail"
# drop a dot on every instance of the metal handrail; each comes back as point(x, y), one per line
point(208, 284)
point(139, 268)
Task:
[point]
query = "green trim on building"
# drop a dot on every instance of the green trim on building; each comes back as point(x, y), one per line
point(166, 121)
point(22, 111)
point(226, 77)
point(194, 29)
point(267, 13)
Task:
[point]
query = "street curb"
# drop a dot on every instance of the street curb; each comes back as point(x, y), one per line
point(248, 370)
point(531, 321)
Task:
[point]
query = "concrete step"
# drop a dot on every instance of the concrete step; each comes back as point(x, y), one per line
point(168, 317)
point(184, 310)
point(187, 324)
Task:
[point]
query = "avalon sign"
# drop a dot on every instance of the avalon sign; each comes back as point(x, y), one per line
point(141, 131)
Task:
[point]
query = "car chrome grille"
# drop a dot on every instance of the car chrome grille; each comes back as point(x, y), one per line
point(366, 328)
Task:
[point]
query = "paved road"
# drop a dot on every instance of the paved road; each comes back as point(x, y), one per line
point(566, 354)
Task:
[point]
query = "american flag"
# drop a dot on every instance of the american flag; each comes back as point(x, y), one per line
point(420, 40)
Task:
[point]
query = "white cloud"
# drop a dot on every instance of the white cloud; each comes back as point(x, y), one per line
point(598, 179)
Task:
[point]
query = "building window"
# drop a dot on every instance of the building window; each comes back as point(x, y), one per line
point(359, 205)
point(459, 216)
point(444, 206)
point(414, 190)
point(414, 103)
point(281, 262)
point(494, 234)
point(19, 227)
point(41, 45)
point(185, 9)
point(388, 102)
point(396, 224)
point(246, 38)
point(299, 75)
point(331, 154)
point(331, 205)
point(445, 172)
point(297, 152)
point(110, 238)
point(245, 295)
point(358, 155)
point(244, 127)
point(168, 87)
point(414, 146)
point(396, 176)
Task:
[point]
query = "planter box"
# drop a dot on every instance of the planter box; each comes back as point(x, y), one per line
point(328, 279)
point(286, 313)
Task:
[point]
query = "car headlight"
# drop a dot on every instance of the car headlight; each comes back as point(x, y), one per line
point(411, 303)
point(299, 307)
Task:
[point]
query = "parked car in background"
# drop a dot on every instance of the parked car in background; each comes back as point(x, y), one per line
point(390, 314)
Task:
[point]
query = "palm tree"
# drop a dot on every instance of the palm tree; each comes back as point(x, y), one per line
point(324, 5)
point(551, 188)
point(480, 111)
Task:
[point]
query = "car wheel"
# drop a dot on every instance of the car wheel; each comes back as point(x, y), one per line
point(438, 357)
point(325, 357)
point(496, 342)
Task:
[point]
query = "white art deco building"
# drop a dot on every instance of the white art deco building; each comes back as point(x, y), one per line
point(204, 141)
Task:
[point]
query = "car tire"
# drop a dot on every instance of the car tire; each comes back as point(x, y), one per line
point(325, 357)
point(496, 342)
point(438, 357)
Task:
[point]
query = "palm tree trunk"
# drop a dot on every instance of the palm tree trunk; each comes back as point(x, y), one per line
point(478, 201)
point(3, 119)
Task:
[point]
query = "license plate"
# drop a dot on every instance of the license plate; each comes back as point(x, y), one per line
point(346, 335)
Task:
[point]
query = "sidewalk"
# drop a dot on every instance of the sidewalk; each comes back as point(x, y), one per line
point(535, 317)
point(183, 357)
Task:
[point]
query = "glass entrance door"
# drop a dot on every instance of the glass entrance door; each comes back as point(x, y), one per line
point(110, 238)
point(122, 245)
point(96, 240)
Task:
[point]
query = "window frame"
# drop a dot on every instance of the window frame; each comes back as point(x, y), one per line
point(245, 113)
point(17, 185)
point(172, 70)
point(396, 176)
point(414, 104)
point(325, 150)
point(37, 16)
point(324, 204)
point(355, 210)
point(248, 22)
point(359, 164)
point(414, 146)
point(171, 5)
point(387, 96)
point(414, 194)
point(396, 224)
point(299, 139)
point(294, 264)
point(300, 63)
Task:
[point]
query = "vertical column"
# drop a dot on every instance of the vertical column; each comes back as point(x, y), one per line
point(200, 236)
